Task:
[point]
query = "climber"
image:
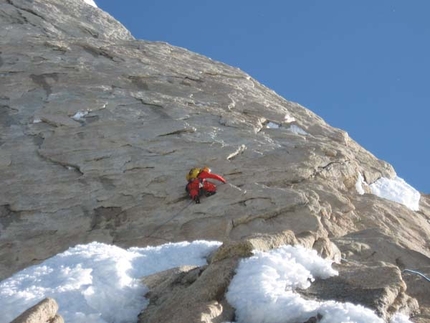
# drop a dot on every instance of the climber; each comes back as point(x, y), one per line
point(198, 184)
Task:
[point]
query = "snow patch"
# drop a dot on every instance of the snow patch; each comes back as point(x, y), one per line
point(91, 3)
point(399, 318)
point(96, 283)
point(397, 190)
point(263, 289)
point(359, 184)
point(289, 119)
point(79, 115)
point(100, 283)
point(297, 130)
point(272, 125)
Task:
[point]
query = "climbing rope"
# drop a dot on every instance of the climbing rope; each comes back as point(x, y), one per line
point(403, 271)
point(170, 219)
point(417, 273)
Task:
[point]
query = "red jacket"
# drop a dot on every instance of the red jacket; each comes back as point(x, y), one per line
point(205, 175)
point(199, 184)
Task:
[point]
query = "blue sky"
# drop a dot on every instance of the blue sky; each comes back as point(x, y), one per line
point(363, 66)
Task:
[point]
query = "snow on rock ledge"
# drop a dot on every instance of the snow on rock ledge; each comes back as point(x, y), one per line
point(96, 282)
point(91, 3)
point(397, 190)
point(263, 290)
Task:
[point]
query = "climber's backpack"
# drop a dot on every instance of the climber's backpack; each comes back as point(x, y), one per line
point(193, 173)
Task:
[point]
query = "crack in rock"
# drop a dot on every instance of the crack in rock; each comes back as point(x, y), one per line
point(41, 80)
point(178, 132)
point(8, 216)
point(26, 10)
point(329, 166)
point(63, 164)
point(98, 51)
point(264, 216)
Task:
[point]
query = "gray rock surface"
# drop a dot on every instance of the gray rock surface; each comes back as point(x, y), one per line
point(190, 295)
point(97, 132)
point(378, 286)
point(43, 312)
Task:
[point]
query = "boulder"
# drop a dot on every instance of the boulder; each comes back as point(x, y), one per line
point(190, 294)
point(43, 312)
point(378, 286)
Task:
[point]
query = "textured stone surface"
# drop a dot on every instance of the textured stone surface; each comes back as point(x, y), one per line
point(378, 286)
point(418, 288)
point(97, 132)
point(43, 312)
point(191, 295)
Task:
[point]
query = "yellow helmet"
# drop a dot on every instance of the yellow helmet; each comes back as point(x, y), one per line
point(193, 173)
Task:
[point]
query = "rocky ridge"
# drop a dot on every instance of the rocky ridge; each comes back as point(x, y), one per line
point(97, 132)
point(43, 312)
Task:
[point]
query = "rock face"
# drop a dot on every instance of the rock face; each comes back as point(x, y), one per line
point(43, 312)
point(97, 132)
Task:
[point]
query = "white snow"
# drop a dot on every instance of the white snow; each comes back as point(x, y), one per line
point(359, 184)
point(91, 2)
point(272, 125)
point(297, 130)
point(397, 190)
point(96, 283)
point(289, 119)
point(263, 290)
point(79, 115)
point(400, 318)
point(293, 128)
point(99, 283)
